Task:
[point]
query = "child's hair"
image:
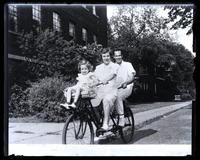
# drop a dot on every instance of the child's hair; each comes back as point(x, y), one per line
point(87, 63)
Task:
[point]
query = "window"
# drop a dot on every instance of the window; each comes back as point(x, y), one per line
point(95, 38)
point(56, 22)
point(71, 29)
point(84, 34)
point(36, 10)
point(94, 10)
point(12, 9)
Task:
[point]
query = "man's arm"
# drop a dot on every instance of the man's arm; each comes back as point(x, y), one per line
point(129, 81)
point(130, 77)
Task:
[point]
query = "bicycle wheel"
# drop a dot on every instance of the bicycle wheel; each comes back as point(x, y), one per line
point(77, 131)
point(127, 131)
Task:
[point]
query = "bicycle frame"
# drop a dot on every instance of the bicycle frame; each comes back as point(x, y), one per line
point(87, 112)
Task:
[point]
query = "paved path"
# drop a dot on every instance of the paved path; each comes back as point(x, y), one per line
point(50, 133)
point(44, 139)
point(175, 128)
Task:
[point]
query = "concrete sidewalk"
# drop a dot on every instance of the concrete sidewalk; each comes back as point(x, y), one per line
point(50, 133)
point(146, 117)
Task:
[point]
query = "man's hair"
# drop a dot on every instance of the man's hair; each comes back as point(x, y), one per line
point(87, 63)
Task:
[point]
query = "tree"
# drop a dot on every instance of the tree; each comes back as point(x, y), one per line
point(132, 23)
point(145, 38)
point(51, 53)
point(138, 29)
point(180, 17)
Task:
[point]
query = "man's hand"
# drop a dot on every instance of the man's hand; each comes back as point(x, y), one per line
point(124, 85)
point(104, 82)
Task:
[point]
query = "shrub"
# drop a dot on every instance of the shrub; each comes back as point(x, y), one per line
point(44, 97)
point(186, 96)
point(18, 106)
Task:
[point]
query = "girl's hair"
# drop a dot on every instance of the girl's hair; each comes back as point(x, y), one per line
point(87, 63)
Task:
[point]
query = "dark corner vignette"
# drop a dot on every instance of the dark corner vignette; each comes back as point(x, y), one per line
point(5, 80)
point(195, 103)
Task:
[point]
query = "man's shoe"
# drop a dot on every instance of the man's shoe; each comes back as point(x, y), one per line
point(104, 128)
point(99, 138)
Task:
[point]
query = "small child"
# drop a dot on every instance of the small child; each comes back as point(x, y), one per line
point(85, 85)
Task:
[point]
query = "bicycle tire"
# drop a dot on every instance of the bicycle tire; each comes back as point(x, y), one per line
point(127, 131)
point(77, 131)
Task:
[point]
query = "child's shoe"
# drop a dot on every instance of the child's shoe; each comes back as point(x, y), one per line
point(66, 105)
point(72, 105)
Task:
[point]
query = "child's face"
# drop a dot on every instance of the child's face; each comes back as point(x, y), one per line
point(84, 70)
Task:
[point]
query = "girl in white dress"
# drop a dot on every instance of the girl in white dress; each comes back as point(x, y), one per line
point(85, 85)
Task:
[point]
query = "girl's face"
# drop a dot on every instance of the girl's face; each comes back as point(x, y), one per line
point(84, 70)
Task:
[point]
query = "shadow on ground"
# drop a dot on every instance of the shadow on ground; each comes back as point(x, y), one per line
point(139, 134)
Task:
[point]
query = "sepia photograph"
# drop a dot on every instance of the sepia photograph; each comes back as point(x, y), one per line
point(100, 79)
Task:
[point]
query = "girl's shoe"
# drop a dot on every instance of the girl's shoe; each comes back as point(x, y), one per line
point(66, 105)
point(72, 105)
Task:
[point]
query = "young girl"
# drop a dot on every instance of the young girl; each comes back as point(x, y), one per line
point(85, 85)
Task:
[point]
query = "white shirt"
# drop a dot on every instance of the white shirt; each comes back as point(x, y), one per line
point(124, 72)
point(102, 72)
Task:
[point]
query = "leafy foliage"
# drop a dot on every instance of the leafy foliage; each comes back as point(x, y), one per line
point(51, 53)
point(181, 17)
point(147, 44)
point(45, 96)
point(18, 106)
point(131, 24)
point(42, 99)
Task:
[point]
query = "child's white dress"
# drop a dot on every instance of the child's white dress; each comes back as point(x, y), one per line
point(87, 84)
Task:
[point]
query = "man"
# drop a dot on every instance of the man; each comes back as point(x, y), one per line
point(107, 93)
point(125, 76)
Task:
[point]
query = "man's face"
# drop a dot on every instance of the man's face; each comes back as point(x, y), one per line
point(106, 58)
point(118, 57)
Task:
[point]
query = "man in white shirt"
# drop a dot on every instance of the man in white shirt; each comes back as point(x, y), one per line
point(107, 93)
point(125, 76)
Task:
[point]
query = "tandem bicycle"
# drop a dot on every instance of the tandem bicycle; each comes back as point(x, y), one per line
point(85, 121)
